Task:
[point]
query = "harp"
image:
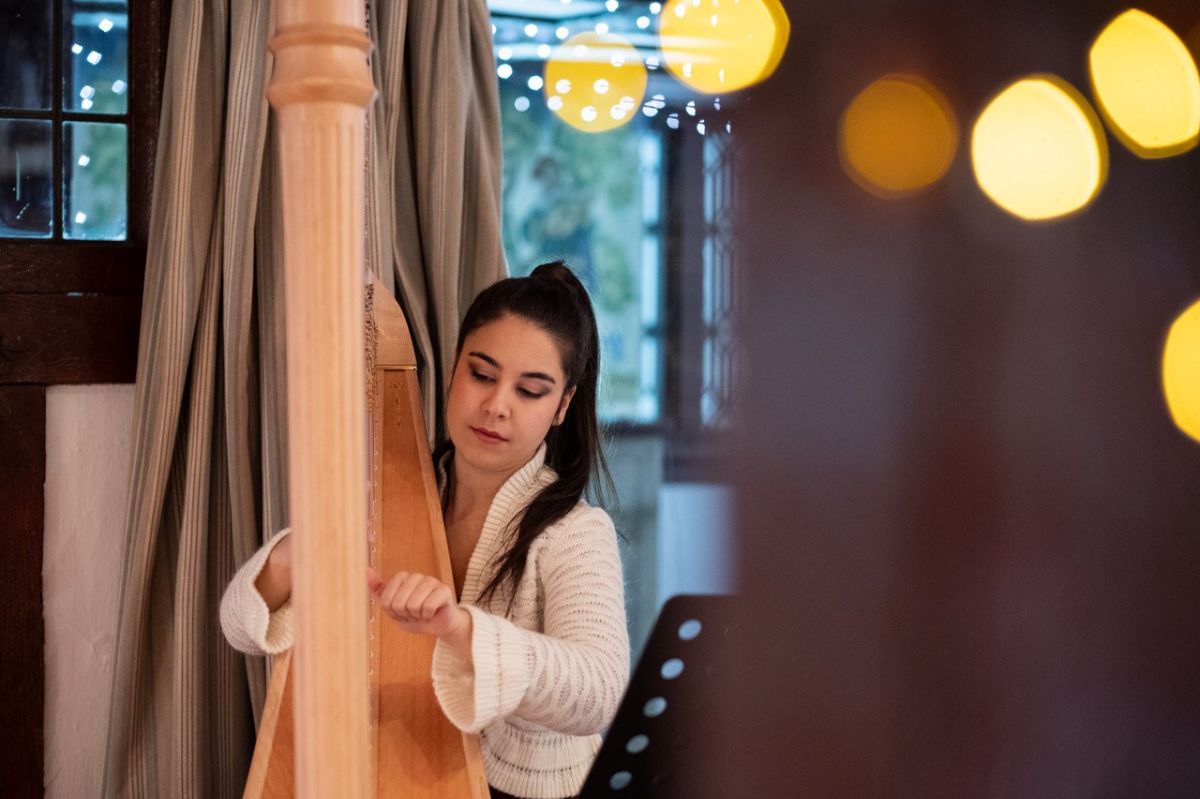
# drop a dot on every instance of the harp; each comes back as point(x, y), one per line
point(350, 711)
point(418, 753)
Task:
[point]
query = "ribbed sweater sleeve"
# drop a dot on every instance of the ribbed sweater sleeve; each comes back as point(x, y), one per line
point(248, 624)
point(568, 678)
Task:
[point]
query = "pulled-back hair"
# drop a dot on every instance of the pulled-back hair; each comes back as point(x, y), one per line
point(552, 299)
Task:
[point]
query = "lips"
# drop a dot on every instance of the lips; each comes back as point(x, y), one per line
point(487, 436)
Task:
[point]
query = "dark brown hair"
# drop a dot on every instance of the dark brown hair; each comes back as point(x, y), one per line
point(553, 299)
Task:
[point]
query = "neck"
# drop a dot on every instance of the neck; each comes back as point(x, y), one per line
point(474, 489)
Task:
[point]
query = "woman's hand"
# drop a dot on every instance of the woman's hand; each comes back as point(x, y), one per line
point(425, 605)
point(274, 582)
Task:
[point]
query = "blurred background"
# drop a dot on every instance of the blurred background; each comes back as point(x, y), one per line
point(910, 308)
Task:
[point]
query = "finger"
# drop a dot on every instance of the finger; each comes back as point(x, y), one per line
point(439, 598)
point(419, 596)
point(387, 596)
point(400, 600)
point(374, 581)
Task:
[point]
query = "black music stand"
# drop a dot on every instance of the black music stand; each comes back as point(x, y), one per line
point(666, 719)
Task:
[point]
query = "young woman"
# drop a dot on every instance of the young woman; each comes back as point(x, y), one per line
point(532, 650)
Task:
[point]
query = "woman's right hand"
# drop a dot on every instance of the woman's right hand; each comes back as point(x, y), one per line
point(274, 582)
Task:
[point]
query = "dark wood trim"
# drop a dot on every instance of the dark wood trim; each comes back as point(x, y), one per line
point(54, 339)
point(22, 475)
point(55, 268)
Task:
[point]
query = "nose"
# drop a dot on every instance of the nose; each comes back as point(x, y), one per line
point(495, 404)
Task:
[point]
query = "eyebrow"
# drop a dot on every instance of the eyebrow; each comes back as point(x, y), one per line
point(535, 375)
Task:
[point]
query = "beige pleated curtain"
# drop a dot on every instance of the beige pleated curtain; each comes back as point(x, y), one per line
point(208, 480)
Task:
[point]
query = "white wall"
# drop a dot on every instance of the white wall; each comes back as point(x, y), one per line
point(87, 466)
point(696, 553)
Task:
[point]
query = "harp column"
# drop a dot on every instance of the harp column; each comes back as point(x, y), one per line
point(320, 89)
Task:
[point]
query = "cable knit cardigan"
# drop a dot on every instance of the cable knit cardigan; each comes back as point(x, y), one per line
point(542, 683)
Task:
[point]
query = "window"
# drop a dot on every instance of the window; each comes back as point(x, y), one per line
point(65, 120)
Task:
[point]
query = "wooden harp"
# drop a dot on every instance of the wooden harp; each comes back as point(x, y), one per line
point(350, 710)
point(418, 753)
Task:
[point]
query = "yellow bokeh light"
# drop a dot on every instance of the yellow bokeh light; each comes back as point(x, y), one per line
point(1146, 85)
point(595, 82)
point(897, 136)
point(1181, 371)
point(717, 46)
point(1038, 149)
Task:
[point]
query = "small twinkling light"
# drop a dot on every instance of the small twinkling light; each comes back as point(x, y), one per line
point(562, 86)
point(650, 111)
point(504, 71)
point(700, 127)
point(80, 218)
point(118, 87)
point(493, 30)
point(729, 127)
point(543, 51)
point(531, 30)
point(84, 160)
point(77, 48)
point(652, 62)
point(690, 108)
point(562, 32)
point(673, 122)
point(600, 86)
point(655, 8)
point(105, 25)
point(601, 28)
point(535, 82)
point(521, 104)
point(612, 5)
point(617, 112)
point(87, 92)
point(717, 103)
point(643, 22)
point(588, 114)
point(504, 53)
point(554, 103)
point(86, 105)
point(93, 58)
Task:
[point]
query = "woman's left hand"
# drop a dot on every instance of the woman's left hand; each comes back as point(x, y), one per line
point(422, 604)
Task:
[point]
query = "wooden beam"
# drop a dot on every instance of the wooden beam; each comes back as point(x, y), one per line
point(22, 475)
point(58, 339)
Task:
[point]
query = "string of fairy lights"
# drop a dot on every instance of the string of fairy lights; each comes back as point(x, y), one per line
point(599, 69)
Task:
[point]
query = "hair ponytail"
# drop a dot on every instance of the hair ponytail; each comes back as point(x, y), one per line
point(553, 299)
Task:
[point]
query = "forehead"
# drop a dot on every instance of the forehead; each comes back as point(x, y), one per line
point(517, 345)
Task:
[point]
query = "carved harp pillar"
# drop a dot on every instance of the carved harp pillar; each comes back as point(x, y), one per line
point(320, 90)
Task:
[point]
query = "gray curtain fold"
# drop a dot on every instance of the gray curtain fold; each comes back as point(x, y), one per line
point(208, 482)
point(434, 189)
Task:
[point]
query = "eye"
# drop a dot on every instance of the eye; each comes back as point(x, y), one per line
point(524, 392)
point(481, 377)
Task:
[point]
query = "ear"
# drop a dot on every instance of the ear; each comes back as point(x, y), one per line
point(562, 407)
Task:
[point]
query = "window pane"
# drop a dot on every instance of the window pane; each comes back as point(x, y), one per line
point(94, 181)
point(592, 199)
point(26, 174)
point(25, 48)
point(95, 71)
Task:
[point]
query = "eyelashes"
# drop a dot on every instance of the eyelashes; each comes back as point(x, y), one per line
point(480, 377)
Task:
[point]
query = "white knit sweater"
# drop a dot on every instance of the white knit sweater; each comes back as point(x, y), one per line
point(543, 682)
